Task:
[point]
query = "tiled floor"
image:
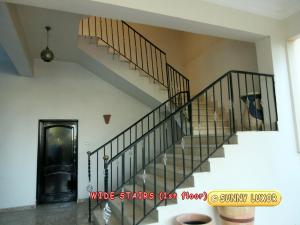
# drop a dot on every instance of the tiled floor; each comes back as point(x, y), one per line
point(53, 214)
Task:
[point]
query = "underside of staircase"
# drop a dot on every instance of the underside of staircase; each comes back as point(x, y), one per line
point(161, 151)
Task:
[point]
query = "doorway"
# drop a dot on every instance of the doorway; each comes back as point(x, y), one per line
point(57, 161)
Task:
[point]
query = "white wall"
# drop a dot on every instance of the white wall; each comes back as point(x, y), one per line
point(294, 68)
point(168, 40)
point(256, 162)
point(58, 90)
point(217, 59)
point(201, 58)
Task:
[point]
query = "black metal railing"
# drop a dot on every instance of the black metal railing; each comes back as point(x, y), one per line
point(124, 139)
point(180, 143)
point(135, 48)
point(177, 82)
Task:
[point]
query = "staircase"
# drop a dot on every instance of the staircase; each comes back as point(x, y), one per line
point(161, 151)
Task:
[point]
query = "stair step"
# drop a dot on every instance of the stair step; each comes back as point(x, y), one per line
point(204, 139)
point(128, 212)
point(211, 131)
point(211, 123)
point(149, 184)
point(196, 152)
point(205, 167)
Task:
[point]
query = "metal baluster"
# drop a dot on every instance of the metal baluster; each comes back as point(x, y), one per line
point(136, 54)
point(89, 31)
point(97, 178)
point(253, 87)
point(112, 35)
point(159, 118)
point(259, 84)
point(124, 42)
point(95, 26)
point(241, 114)
point(105, 215)
point(199, 126)
point(123, 182)
point(141, 49)
point(100, 26)
point(183, 155)
point(275, 104)
point(154, 172)
point(144, 181)
point(215, 117)
point(111, 166)
point(117, 163)
point(105, 21)
point(157, 73)
point(191, 134)
point(148, 141)
point(119, 48)
point(232, 102)
point(165, 162)
point(147, 57)
point(268, 100)
point(247, 101)
point(174, 150)
point(152, 60)
point(207, 127)
point(169, 87)
point(134, 175)
point(81, 24)
point(130, 135)
point(222, 110)
point(129, 44)
point(89, 177)
point(162, 71)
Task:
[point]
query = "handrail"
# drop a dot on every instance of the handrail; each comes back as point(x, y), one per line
point(141, 119)
point(144, 37)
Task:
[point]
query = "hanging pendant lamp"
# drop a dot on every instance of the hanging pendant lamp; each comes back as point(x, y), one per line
point(47, 55)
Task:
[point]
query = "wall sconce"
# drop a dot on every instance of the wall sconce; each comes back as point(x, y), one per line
point(106, 118)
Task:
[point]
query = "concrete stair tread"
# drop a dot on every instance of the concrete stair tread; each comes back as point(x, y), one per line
point(179, 168)
point(196, 154)
point(160, 182)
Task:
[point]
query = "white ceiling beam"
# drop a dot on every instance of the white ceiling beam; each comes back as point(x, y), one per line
point(13, 40)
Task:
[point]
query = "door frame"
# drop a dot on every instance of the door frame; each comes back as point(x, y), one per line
point(39, 149)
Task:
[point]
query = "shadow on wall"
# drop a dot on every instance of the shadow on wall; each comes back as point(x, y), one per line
point(6, 65)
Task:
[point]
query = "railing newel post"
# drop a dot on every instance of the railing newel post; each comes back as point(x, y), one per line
point(89, 178)
point(106, 210)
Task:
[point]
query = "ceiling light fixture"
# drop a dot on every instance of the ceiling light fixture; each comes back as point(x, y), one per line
point(47, 55)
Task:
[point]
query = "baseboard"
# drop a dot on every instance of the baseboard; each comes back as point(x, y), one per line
point(19, 208)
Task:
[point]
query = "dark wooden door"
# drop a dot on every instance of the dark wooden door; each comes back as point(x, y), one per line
point(57, 161)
